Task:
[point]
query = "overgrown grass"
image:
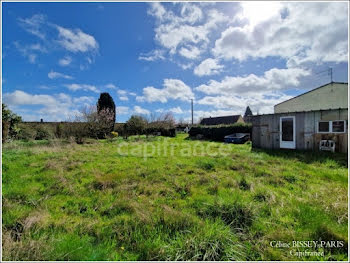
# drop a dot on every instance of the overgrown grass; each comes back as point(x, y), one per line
point(63, 201)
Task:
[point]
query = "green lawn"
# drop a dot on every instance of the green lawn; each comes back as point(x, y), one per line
point(171, 200)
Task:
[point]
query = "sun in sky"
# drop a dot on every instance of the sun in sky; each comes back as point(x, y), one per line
point(258, 11)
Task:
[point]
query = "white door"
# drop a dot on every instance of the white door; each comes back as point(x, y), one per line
point(287, 132)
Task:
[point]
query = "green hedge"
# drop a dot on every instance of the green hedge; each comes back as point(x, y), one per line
point(218, 132)
point(168, 132)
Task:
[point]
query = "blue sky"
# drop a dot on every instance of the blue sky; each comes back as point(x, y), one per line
point(155, 57)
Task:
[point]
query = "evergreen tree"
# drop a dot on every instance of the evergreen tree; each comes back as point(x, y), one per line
point(105, 114)
point(248, 112)
point(105, 102)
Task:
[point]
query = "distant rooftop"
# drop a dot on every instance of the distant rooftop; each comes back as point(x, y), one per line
point(220, 120)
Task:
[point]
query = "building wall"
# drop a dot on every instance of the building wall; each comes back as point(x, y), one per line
point(266, 130)
point(240, 120)
point(331, 96)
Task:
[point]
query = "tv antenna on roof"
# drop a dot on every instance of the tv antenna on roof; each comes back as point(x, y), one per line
point(329, 72)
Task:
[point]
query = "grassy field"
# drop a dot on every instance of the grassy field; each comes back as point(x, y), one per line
point(109, 200)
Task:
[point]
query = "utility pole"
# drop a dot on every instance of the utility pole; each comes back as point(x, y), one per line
point(192, 110)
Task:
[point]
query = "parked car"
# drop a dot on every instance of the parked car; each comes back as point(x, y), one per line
point(237, 138)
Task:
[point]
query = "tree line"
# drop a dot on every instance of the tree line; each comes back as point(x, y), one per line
point(96, 122)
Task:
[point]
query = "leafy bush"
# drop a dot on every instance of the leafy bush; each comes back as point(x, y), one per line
point(218, 132)
point(27, 133)
point(10, 121)
point(59, 130)
point(43, 133)
point(136, 125)
point(89, 124)
point(114, 134)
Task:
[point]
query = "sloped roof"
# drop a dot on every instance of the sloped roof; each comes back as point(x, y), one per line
point(312, 91)
point(220, 120)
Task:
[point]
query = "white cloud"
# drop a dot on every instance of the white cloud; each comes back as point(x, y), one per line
point(172, 89)
point(122, 92)
point(65, 61)
point(191, 13)
point(259, 92)
point(187, 28)
point(56, 75)
point(19, 97)
point(84, 87)
point(45, 87)
point(30, 51)
point(123, 98)
point(185, 66)
point(208, 67)
point(32, 58)
point(141, 111)
point(157, 10)
point(272, 80)
point(262, 103)
point(76, 40)
point(56, 107)
point(33, 25)
point(111, 86)
point(256, 12)
point(123, 95)
point(305, 32)
point(190, 53)
point(121, 110)
point(176, 110)
point(73, 40)
point(152, 55)
point(84, 99)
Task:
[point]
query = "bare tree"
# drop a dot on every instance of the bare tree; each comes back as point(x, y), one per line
point(90, 123)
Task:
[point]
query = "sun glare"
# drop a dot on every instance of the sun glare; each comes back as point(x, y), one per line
point(257, 12)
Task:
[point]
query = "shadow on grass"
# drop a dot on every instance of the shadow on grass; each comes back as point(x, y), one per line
point(307, 156)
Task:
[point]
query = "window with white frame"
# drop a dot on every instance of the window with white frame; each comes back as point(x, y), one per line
point(338, 126)
point(323, 126)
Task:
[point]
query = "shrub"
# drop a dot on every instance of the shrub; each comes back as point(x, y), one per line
point(75, 130)
point(5, 130)
point(91, 124)
point(114, 134)
point(218, 132)
point(59, 131)
point(43, 133)
point(136, 125)
point(26, 133)
point(10, 121)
